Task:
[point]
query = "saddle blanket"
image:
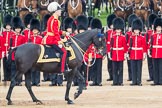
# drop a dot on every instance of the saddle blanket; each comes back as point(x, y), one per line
point(49, 54)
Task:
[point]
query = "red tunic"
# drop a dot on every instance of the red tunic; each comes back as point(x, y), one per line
point(110, 33)
point(36, 39)
point(6, 41)
point(148, 37)
point(157, 46)
point(0, 47)
point(119, 47)
point(53, 32)
point(16, 41)
point(27, 34)
point(138, 47)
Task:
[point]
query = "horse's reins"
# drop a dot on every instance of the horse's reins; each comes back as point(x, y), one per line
point(73, 6)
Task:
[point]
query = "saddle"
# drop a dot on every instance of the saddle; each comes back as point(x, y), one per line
point(50, 54)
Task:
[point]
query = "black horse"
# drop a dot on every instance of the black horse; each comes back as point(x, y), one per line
point(26, 57)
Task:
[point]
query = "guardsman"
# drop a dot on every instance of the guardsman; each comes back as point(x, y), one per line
point(81, 23)
point(46, 76)
point(54, 33)
point(6, 34)
point(137, 51)
point(148, 35)
point(27, 33)
point(97, 67)
point(156, 50)
point(16, 39)
point(117, 51)
point(35, 38)
point(128, 34)
point(109, 32)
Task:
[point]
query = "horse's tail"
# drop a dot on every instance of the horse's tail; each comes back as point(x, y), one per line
point(8, 62)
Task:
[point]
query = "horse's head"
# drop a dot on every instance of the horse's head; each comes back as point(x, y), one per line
point(30, 5)
point(159, 6)
point(99, 40)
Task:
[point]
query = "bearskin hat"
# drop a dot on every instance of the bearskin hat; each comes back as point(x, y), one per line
point(35, 24)
point(17, 23)
point(157, 22)
point(137, 24)
point(27, 19)
point(67, 23)
point(118, 23)
point(110, 19)
point(44, 21)
point(96, 23)
point(82, 22)
point(90, 18)
point(7, 20)
point(151, 19)
point(131, 18)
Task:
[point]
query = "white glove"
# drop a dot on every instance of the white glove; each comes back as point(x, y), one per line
point(125, 56)
point(109, 56)
point(3, 54)
point(144, 56)
point(148, 52)
point(60, 45)
point(67, 34)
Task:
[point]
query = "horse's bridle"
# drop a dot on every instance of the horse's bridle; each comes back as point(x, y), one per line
point(30, 9)
point(141, 5)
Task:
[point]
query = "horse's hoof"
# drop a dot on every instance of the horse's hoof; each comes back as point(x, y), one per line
point(76, 95)
point(38, 102)
point(70, 102)
point(10, 103)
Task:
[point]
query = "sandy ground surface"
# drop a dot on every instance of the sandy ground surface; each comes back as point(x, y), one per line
point(107, 96)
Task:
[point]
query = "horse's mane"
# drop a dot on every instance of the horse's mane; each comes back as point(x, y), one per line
point(85, 33)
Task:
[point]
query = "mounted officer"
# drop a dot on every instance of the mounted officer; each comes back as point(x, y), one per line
point(53, 36)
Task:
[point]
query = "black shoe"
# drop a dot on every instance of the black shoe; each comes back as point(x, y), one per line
point(114, 84)
point(37, 85)
point(43, 80)
point(155, 84)
point(129, 80)
point(139, 84)
point(121, 84)
point(149, 80)
point(33, 84)
point(60, 84)
point(19, 84)
point(93, 84)
point(52, 84)
point(133, 84)
point(109, 79)
point(99, 84)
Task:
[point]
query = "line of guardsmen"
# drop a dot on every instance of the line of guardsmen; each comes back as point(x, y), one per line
point(132, 46)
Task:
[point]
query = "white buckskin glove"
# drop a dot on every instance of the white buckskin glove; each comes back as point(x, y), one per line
point(148, 52)
point(144, 56)
point(67, 34)
point(3, 54)
point(125, 56)
point(60, 45)
point(109, 56)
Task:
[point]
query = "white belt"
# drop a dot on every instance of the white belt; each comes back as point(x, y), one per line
point(135, 48)
point(118, 48)
point(156, 46)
